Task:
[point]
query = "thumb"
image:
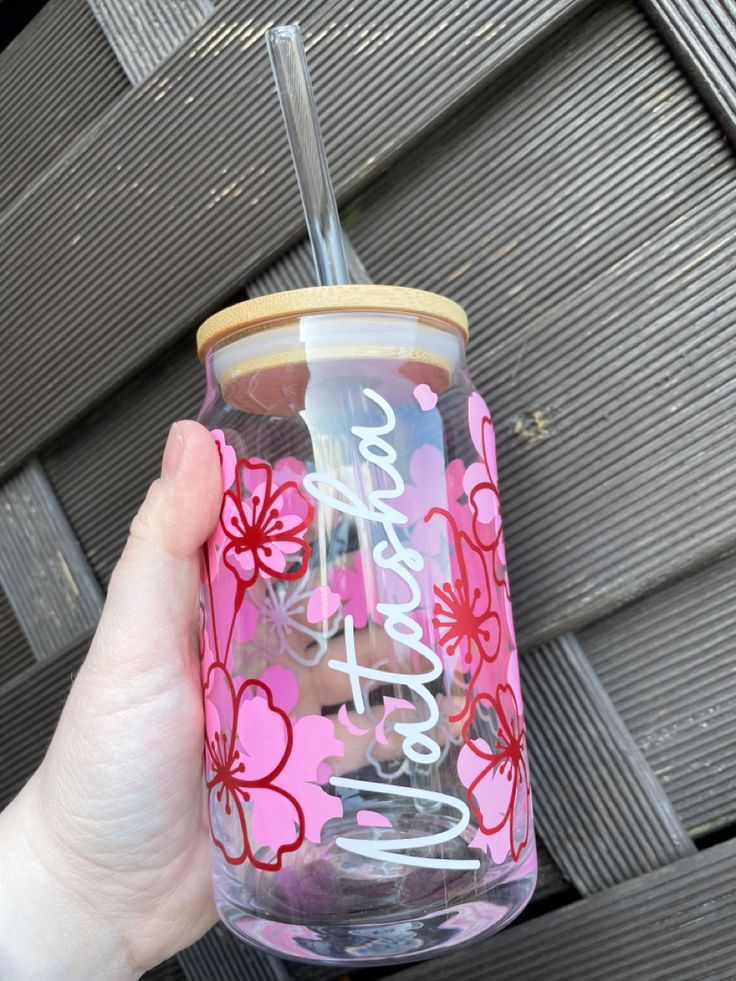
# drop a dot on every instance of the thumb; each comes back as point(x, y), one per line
point(151, 601)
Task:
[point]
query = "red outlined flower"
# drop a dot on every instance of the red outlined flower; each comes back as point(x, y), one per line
point(481, 479)
point(243, 776)
point(463, 617)
point(497, 777)
point(468, 627)
point(265, 527)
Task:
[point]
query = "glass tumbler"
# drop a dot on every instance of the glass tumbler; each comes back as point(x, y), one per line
point(365, 753)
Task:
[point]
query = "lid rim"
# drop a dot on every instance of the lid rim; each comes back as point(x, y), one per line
point(326, 299)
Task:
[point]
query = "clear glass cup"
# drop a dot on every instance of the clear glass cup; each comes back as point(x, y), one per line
point(365, 754)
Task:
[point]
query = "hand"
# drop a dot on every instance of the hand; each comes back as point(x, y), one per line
point(105, 854)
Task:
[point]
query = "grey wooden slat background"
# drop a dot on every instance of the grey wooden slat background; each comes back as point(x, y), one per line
point(15, 654)
point(602, 810)
point(144, 33)
point(702, 35)
point(669, 664)
point(30, 705)
point(219, 955)
point(123, 296)
point(43, 571)
point(676, 923)
point(56, 78)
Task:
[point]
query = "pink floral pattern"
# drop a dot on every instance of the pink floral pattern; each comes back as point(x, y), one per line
point(264, 768)
point(497, 777)
point(265, 765)
point(474, 627)
point(262, 531)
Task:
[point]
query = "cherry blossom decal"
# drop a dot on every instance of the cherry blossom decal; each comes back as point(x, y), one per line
point(265, 766)
point(497, 777)
point(472, 623)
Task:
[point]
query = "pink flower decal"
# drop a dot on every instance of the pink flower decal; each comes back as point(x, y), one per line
point(323, 603)
point(261, 772)
point(350, 586)
point(481, 479)
point(228, 459)
point(264, 769)
point(241, 776)
point(462, 613)
point(261, 531)
point(426, 398)
point(497, 777)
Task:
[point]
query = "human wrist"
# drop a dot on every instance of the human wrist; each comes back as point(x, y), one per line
point(50, 926)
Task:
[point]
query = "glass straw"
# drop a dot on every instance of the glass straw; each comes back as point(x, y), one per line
point(289, 65)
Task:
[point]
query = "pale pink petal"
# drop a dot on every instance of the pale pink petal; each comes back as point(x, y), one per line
point(489, 449)
point(253, 477)
point(275, 822)
point(223, 594)
point(262, 733)
point(390, 705)
point(497, 844)
point(477, 412)
point(344, 719)
point(322, 604)
point(484, 501)
point(454, 477)
point(289, 469)
point(427, 537)
point(245, 623)
point(372, 819)
point(283, 686)
point(227, 823)
point(426, 398)
point(241, 562)
point(228, 459)
point(231, 518)
point(289, 521)
point(314, 742)
point(350, 586)
point(219, 701)
point(514, 681)
point(470, 764)
point(426, 462)
point(271, 560)
point(494, 793)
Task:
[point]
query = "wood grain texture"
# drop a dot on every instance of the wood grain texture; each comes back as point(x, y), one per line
point(43, 570)
point(56, 78)
point(587, 222)
point(170, 970)
point(598, 805)
point(169, 203)
point(702, 36)
point(30, 705)
point(669, 664)
point(673, 923)
point(15, 654)
point(144, 33)
point(102, 469)
point(219, 955)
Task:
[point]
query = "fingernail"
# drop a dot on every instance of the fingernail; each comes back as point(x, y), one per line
point(172, 453)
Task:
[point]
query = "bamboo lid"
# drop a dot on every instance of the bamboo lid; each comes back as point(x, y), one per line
point(261, 311)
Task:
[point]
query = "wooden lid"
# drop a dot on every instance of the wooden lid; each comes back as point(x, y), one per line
point(263, 310)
